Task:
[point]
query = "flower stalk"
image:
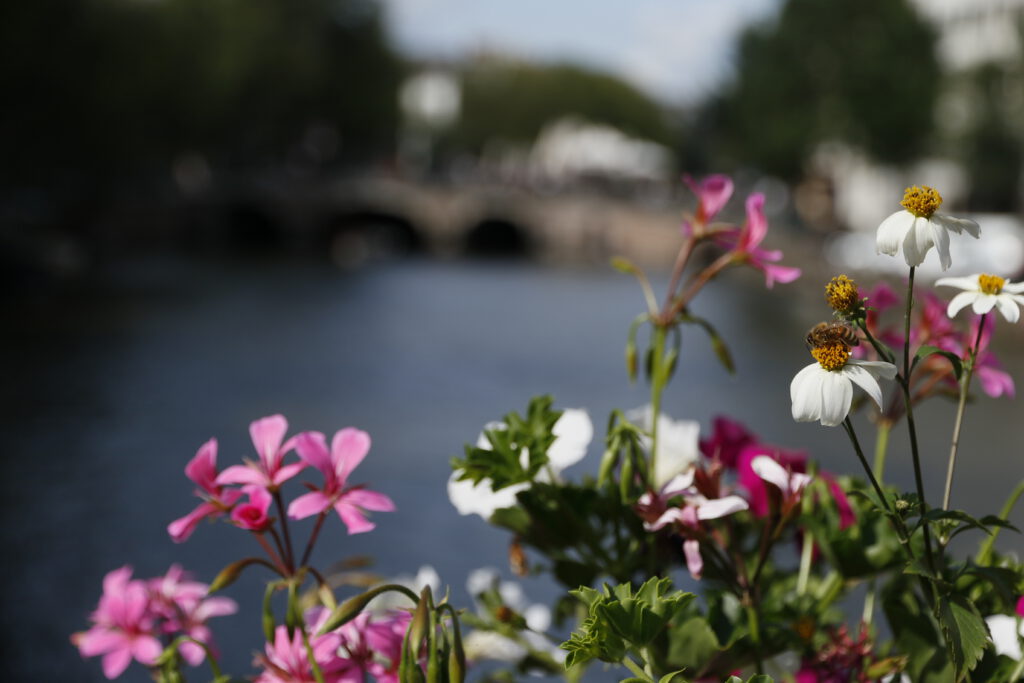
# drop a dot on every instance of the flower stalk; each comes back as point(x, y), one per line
point(965, 386)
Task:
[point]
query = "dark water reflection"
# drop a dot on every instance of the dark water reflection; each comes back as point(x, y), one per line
point(109, 392)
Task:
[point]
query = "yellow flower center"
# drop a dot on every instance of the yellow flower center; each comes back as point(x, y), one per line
point(841, 294)
point(921, 201)
point(831, 356)
point(991, 284)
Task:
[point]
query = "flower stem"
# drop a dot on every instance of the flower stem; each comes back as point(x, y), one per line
point(289, 553)
point(965, 385)
point(677, 270)
point(274, 557)
point(881, 447)
point(658, 381)
point(911, 427)
point(635, 668)
point(848, 426)
point(806, 555)
point(985, 553)
point(312, 538)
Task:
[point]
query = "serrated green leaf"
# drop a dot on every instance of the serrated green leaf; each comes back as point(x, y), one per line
point(965, 632)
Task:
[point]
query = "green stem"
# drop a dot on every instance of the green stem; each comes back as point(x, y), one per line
point(965, 386)
point(635, 668)
point(755, 635)
point(848, 426)
point(911, 427)
point(869, 604)
point(657, 387)
point(881, 447)
point(806, 555)
point(986, 550)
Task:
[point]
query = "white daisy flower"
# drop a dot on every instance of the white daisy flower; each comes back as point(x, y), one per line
point(983, 292)
point(824, 390)
point(918, 228)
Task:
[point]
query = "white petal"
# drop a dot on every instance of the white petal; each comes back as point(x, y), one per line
point(960, 301)
point(480, 499)
point(836, 396)
point(481, 580)
point(667, 517)
point(865, 380)
point(1004, 632)
point(878, 368)
point(573, 433)
point(771, 471)
point(1013, 287)
point(892, 231)
point(967, 282)
point(983, 303)
point(957, 224)
point(797, 481)
point(538, 617)
point(678, 448)
point(917, 242)
point(1008, 307)
point(805, 393)
point(720, 507)
point(940, 236)
point(677, 484)
point(479, 644)
point(694, 562)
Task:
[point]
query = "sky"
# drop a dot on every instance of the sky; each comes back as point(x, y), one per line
point(676, 50)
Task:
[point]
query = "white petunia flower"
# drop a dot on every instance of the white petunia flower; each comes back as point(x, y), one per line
point(1005, 629)
point(982, 292)
point(824, 390)
point(678, 443)
point(918, 228)
point(573, 432)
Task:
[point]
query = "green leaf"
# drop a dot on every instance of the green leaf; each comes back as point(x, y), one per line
point(926, 351)
point(230, 573)
point(667, 678)
point(965, 631)
point(692, 644)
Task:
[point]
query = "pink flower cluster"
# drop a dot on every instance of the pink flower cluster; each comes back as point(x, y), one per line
point(773, 480)
point(931, 326)
point(743, 243)
point(134, 615)
point(367, 645)
point(260, 480)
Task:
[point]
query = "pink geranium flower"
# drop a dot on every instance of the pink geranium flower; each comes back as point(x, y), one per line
point(713, 193)
point(184, 608)
point(270, 471)
point(348, 448)
point(286, 661)
point(202, 469)
point(728, 439)
point(123, 626)
point(253, 515)
point(745, 243)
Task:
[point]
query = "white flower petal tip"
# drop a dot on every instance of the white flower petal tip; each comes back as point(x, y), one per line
point(573, 433)
point(825, 396)
point(480, 499)
point(983, 292)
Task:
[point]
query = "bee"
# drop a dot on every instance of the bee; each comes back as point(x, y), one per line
point(830, 333)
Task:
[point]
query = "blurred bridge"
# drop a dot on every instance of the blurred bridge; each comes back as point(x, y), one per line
point(354, 219)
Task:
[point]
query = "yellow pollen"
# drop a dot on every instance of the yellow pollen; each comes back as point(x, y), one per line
point(831, 356)
point(921, 201)
point(991, 284)
point(841, 294)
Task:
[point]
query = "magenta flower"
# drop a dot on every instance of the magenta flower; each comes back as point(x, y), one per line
point(374, 646)
point(713, 192)
point(728, 439)
point(745, 243)
point(749, 479)
point(123, 627)
point(184, 608)
point(1020, 606)
point(269, 472)
point(253, 515)
point(285, 660)
point(348, 448)
point(202, 469)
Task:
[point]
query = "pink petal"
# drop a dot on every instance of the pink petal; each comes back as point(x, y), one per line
point(287, 472)
point(146, 649)
point(712, 192)
point(370, 500)
point(694, 562)
point(98, 641)
point(757, 224)
point(353, 518)
point(312, 448)
point(781, 274)
point(847, 517)
point(1020, 606)
point(348, 448)
point(114, 663)
point(202, 468)
point(241, 474)
point(215, 607)
point(312, 503)
point(180, 529)
point(267, 435)
point(193, 653)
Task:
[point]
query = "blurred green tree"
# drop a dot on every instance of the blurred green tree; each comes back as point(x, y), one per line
point(509, 100)
point(859, 71)
point(108, 89)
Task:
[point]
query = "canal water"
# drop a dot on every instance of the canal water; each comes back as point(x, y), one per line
point(110, 389)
